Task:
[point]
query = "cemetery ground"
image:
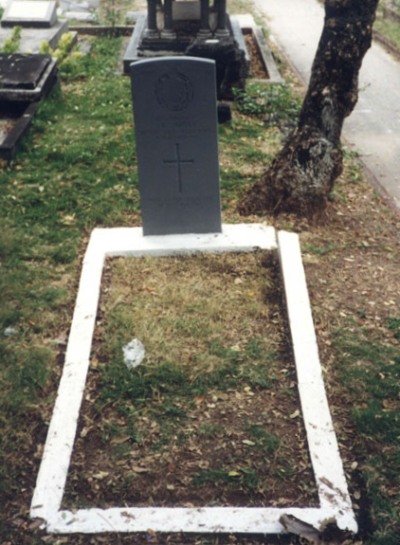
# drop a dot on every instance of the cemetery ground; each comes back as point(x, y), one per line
point(214, 417)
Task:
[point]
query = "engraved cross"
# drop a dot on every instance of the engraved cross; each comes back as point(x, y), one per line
point(178, 161)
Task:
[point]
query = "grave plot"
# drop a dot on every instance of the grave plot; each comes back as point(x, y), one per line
point(14, 122)
point(26, 76)
point(24, 81)
point(211, 417)
point(262, 63)
point(258, 517)
point(193, 29)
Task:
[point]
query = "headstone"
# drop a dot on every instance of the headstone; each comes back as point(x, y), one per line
point(30, 13)
point(175, 112)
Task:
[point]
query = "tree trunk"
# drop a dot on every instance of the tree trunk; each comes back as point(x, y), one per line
point(302, 175)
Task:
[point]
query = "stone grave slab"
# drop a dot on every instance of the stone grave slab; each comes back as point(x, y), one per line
point(22, 71)
point(175, 112)
point(24, 81)
point(26, 77)
point(30, 13)
point(31, 38)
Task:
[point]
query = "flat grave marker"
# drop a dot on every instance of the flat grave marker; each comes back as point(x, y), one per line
point(30, 13)
point(22, 71)
point(24, 81)
point(175, 112)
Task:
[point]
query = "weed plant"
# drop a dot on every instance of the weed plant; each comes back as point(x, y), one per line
point(11, 44)
point(274, 102)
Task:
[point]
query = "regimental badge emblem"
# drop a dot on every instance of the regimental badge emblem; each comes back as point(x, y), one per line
point(174, 91)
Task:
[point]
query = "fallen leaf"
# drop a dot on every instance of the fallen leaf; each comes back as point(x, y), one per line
point(101, 475)
point(139, 469)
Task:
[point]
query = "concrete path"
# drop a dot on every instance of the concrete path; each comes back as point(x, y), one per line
point(373, 129)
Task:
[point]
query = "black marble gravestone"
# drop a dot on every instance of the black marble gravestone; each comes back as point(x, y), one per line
point(22, 71)
point(26, 77)
point(175, 113)
point(196, 28)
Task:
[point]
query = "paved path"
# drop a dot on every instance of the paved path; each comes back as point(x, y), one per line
point(373, 129)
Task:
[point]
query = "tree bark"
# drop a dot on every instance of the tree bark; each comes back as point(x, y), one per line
point(303, 173)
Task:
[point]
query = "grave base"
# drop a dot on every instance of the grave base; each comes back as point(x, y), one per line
point(335, 504)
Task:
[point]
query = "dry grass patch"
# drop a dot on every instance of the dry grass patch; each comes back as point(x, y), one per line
point(211, 416)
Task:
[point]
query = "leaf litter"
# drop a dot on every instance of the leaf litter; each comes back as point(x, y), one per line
point(209, 418)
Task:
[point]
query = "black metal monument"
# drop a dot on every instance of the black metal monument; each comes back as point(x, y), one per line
point(196, 28)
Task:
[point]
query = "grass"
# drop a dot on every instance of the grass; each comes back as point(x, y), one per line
point(64, 181)
point(203, 356)
point(390, 29)
point(77, 170)
point(372, 374)
point(386, 25)
point(214, 344)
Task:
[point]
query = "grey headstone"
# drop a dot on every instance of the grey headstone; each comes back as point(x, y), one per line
point(175, 111)
point(30, 13)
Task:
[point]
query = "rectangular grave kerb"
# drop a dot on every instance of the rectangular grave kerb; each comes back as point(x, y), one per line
point(176, 130)
point(335, 503)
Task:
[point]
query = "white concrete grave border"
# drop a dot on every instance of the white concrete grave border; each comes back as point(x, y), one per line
point(335, 503)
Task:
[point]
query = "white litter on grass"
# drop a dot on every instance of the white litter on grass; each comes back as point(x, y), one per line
point(133, 353)
point(10, 331)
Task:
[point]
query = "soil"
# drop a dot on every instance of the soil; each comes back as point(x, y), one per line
point(257, 68)
point(5, 126)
